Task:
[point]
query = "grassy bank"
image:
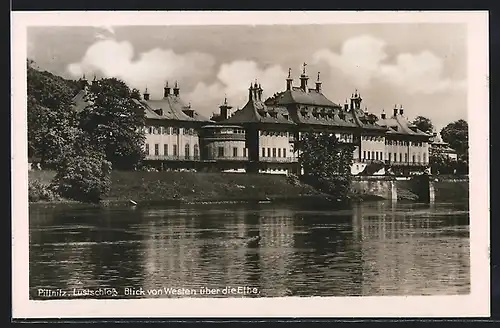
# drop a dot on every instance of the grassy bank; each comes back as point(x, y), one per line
point(188, 187)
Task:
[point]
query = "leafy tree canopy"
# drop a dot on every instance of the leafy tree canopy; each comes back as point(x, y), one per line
point(423, 124)
point(326, 163)
point(114, 122)
point(50, 114)
point(456, 134)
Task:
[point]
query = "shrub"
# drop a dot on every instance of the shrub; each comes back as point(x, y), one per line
point(38, 191)
point(84, 178)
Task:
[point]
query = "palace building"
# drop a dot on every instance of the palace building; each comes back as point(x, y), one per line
point(261, 136)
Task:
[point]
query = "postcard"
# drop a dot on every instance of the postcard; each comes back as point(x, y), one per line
point(250, 164)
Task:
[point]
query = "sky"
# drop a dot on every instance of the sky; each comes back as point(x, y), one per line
point(420, 66)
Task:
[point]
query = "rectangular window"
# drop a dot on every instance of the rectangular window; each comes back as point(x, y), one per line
point(425, 157)
point(413, 158)
point(150, 130)
point(165, 149)
point(268, 152)
point(221, 151)
point(400, 157)
point(147, 149)
point(364, 154)
point(235, 151)
point(175, 131)
point(157, 149)
point(368, 155)
point(274, 152)
point(284, 152)
point(174, 150)
point(376, 155)
point(406, 158)
point(381, 156)
point(263, 152)
point(389, 157)
point(395, 157)
point(244, 152)
point(373, 155)
point(279, 152)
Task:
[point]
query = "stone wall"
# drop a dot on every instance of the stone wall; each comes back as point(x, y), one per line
point(374, 187)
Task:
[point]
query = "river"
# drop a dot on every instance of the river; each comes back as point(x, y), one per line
point(376, 248)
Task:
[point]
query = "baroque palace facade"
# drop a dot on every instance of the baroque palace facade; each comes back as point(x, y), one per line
point(260, 137)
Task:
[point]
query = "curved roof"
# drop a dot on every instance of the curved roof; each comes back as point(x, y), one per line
point(298, 96)
point(172, 108)
point(255, 111)
point(397, 124)
point(79, 101)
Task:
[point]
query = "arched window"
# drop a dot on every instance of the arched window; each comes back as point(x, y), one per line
point(196, 152)
point(186, 151)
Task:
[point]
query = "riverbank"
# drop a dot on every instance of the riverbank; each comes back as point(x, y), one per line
point(187, 187)
point(196, 188)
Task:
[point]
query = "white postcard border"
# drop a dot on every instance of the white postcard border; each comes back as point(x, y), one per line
point(475, 304)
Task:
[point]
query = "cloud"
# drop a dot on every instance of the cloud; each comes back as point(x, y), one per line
point(363, 60)
point(111, 58)
point(233, 80)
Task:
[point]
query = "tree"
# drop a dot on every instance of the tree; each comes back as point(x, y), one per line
point(423, 124)
point(51, 120)
point(135, 94)
point(83, 177)
point(326, 163)
point(456, 134)
point(114, 122)
point(371, 118)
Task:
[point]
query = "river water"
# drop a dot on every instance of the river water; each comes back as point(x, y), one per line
point(379, 248)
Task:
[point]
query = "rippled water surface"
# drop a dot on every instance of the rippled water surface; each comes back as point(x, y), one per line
point(370, 249)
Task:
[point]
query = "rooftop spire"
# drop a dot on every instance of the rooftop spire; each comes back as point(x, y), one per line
point(318, 84)
point(289, 80)
point(303, 79)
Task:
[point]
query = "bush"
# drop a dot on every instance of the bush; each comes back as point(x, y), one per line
point(84, 178)
point(38, 191)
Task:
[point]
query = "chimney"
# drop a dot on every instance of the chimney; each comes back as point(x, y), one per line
point(357, 100)
point(255, 91)
point(289, 80)
point(146, 95)
point(401, 110)
point(94, 81)
point(224, 110)
point(260, 92)
point(304, 78)
point(395, 110)
point(318, 84)
point(176, 89)
point(382, 116)
point(166, 90)
point(250, 92)
point(83, 82)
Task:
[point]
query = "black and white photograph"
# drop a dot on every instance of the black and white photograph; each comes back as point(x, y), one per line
point(265, 164)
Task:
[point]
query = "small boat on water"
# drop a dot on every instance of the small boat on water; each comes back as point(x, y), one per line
point(132, 202)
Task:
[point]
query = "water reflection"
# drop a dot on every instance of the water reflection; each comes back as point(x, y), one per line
point(370, 249)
